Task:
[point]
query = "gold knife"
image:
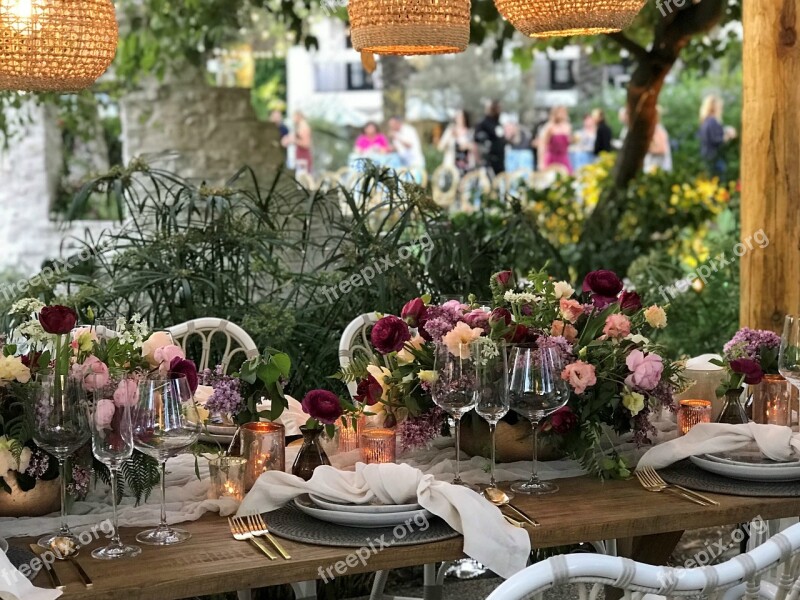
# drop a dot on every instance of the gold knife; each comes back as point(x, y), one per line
point(533, 522)
point(54, 578)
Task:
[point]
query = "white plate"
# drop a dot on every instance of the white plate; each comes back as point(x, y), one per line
point(372, 509)
point(750, 455)
point(747, 472)
point(364, 520)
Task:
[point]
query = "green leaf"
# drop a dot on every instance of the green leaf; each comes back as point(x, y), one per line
point(283, 362)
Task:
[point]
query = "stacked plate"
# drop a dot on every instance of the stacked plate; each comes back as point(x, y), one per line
point(359, 515)
point(748, 464)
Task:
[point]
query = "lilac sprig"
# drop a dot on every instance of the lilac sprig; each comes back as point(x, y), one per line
point(419, 431)
point(227, 397)
point(38, 464)
point(79, 486)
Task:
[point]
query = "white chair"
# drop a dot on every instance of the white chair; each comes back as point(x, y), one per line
point(355, 342)
point(740, 577)
point(207, 329)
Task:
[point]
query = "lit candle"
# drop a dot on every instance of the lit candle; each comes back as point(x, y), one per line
point(378, 446)
point(692, 412)
point(349, 437)
point(227, 477)
point(262, 444)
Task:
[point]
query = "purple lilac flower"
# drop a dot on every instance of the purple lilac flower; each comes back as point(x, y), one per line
point(643, 428)
point(748, 343)
point(417, 432)
point(442, 319)
point(560, 343)
point(79, 486)
point(663, 394)
point(227, 397)
point(38, 464)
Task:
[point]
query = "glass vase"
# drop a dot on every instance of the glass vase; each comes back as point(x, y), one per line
point(772, 401)
point(311, 454)
point(732, 411)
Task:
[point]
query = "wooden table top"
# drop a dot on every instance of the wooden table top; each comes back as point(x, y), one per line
point(584, 509)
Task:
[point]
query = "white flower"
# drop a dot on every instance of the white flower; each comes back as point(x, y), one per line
point(521, 297)
point(12, 369)
point(563, 290)
point(638, 339)
point(26, 306)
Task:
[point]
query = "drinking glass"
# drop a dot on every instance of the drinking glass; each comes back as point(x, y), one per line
point(162, 428)
point(453, 390)
point(789, 356)
point(112, 445)
point(60, 428)
point(536, 390)
point(491, 387)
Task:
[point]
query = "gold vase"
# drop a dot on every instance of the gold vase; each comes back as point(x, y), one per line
point(514, 442)
point(43, 499)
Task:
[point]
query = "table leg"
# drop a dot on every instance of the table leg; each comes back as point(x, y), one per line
point(648, 549)
point(244, 595)
point(305, 590)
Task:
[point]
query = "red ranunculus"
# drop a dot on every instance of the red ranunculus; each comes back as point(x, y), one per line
point(390, 334)
point(183, 366)
point(630, 301)
point(504, 279)
point(564, 420)
point(500, 314)
point(369, 391)
point(749, 368)
point(604, 285)
point(322, 405)
point(413, 312)
point(517, 335)
point(58, 319)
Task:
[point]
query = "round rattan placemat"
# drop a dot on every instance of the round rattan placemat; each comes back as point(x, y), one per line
point(689, 475)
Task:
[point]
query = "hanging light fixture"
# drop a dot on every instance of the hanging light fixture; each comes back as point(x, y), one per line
point(409, 27)
point(563, 18)
point(55, 45)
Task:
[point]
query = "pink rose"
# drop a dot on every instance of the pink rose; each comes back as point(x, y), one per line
point(94, 374)
point(645, 370)
point(127, 393)
point(617, 326)
point(165, 355)
point(571, 310)
point(478, 318)
point(104, 413)
point(156, 340)
point(580, 375)
point(565, 330)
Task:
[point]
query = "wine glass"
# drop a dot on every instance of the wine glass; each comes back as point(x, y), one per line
point(453, 390)
point(789, 356)
point(162, 428)
point(536, 391)
point(112, 445)
point(491, 387)
point(60, 428)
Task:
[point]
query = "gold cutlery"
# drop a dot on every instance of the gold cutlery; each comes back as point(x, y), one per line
point(51, 572)
point(656, 478)
point(67, 550)
point(258, 527)
point(243, 535)
point(651, 485)
point(499, 498)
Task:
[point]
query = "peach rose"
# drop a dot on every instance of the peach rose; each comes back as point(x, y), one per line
point(459, 339)
point(565, 330)
point(571, 310)
point(158, 339)
point(617, 326)
point(580, 376)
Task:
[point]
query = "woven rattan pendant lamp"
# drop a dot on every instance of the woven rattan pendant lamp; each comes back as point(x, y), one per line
point(55, 45)
point(562, 18)
point(409, 27)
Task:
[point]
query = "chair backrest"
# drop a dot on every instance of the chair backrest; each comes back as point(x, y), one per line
point(740, 577)
point(355, 341)
point(206, 330)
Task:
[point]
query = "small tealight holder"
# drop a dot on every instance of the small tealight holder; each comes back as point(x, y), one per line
point(378, 445)
point(349, 437)
point(692, 412)
point(227, 477)
point(262, 445)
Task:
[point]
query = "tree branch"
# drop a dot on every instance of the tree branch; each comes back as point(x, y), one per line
point(697, 19)
point(640, 52)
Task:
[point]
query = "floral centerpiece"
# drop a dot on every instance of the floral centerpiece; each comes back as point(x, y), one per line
point(617, 376)
point(747, 357)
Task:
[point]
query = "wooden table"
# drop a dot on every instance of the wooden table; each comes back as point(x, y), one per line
point(585, 509)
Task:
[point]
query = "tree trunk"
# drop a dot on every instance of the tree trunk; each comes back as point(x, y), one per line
point(395, 71)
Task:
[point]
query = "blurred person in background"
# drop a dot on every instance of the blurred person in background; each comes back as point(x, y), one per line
point(585, 141)
point(405, 140)
point(604, 138)
point(659, 155)
point(713, 135)
point(490, 139)
point(301, 139)
point(458, 145)
point(372, 141)
point(555, 140)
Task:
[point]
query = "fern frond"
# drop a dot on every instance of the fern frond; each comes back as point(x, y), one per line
point(141, 474)
point(355, 371)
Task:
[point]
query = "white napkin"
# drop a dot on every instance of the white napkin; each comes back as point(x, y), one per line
point(15, 586)
point(291, 418)
point(776, 442)
point(488, 538)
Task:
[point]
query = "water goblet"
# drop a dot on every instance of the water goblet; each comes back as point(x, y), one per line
point(789, 357)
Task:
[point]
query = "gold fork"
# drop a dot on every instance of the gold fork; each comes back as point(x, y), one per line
point(652, 486)
point(656, 478)
point(241, 534)
point(257, 527)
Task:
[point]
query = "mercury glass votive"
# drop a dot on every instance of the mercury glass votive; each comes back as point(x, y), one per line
point(349, 437)
point(378, 445)
point(692, 412)
point(263, 445)
point(227, 477)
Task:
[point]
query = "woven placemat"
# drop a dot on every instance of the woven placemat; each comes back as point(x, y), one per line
point(289, 523)
point(689, 475)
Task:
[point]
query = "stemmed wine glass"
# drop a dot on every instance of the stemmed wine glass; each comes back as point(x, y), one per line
point(789, 356)
point(453, 390)
point(60, 428)
point(162, 428)
point(491, 387)
point(112, 445)
point(536, 391)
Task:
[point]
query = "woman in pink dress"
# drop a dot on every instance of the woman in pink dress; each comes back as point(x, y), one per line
point(371, 141)
point(555, 140)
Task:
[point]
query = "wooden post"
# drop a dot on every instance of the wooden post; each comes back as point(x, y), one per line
point(770, 285)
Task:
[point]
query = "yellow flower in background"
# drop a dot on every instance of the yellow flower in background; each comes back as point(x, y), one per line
point(12, 369)
point(656, 317)
point(426, 376)
point(633, 401)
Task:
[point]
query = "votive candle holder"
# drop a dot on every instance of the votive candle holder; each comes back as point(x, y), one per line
point(349, 438)
point(692, 412)
point(263, 445)
point(227, 477)
point(378, 445)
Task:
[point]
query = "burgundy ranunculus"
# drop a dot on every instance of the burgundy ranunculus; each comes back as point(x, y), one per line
point(749, 368)
point(504, 279)
point(413, 312)
point(390, 334)
point(630, 301)
point(517, 335)
point(322, 405)
point(564, 420)
point(183, 366)
point(369, 391)
point(604, 285)
point(500, 314)
point(58, 319)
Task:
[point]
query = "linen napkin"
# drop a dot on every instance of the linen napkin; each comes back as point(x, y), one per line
point(15, 586)
point(775, 442)
point(488, 538)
